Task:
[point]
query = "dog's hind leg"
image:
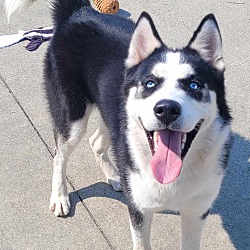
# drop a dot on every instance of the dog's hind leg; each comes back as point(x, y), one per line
point(100, 144)
point(65, 144)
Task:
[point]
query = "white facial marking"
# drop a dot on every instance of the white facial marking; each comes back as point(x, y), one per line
point(172, 68)
point(171, 71)
point(192, 111)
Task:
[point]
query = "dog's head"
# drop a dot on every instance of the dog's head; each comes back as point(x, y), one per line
point(173, 93)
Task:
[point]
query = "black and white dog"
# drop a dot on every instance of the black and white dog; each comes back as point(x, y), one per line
point(163, 113)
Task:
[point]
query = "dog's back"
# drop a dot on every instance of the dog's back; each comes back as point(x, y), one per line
point(87, 52)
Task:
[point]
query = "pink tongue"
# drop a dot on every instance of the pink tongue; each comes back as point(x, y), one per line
point(166, 162)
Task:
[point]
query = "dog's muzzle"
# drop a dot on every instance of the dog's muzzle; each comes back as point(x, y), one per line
point(169, 148)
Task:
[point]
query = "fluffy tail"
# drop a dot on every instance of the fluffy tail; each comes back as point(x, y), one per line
point(63, 9)
point(13, 6)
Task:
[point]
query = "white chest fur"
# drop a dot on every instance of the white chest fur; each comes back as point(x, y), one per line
point(199, 180)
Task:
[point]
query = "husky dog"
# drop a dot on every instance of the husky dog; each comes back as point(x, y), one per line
point(163, 113)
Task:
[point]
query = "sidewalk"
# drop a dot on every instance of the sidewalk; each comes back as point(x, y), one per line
point(99, 217)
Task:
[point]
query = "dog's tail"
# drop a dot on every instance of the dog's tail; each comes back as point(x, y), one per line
point(13, 6)
point(63, 9)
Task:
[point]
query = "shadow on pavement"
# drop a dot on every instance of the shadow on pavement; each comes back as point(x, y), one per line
point(99, 189)
point(233, 203)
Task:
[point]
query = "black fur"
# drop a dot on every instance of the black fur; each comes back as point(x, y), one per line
point(63, 10)
point(213, 78)
point(86, 45)
point(205, 215)
point(142, 73)
point(136, 216)
point(217, 77)
point(85, 65)
point(148, 17)
point(226, 152)
point(207, 17)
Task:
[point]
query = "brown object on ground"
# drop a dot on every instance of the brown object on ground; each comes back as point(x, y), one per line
point(107, 6)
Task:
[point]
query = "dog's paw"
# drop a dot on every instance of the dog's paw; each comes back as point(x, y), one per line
point(60, 205)
point(116, 184)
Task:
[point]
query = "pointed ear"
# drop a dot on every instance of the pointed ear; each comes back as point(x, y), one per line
point(144, 41)
point(207, 42)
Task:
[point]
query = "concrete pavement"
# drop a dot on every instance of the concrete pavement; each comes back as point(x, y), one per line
point(99, 218)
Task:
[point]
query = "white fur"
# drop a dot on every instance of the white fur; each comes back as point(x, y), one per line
point(13, 6)
point(198, 185)
point(171, 71)
point(197, 171)
point(59, 201)
point(141, 238)
point(143, 43)
point(208, 44)
point(191, 228)
point(172, 68)
point(193, 191)
point(100, 144)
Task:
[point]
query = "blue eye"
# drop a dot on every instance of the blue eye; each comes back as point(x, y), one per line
point(193, 85)
point(150, 84)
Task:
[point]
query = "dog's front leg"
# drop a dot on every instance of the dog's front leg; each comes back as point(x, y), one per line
point(192, 224)
point(59, 200)
point(140, 225)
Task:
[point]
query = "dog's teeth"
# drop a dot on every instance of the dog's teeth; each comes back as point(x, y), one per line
point(183, 141)
point(184, 138)
point(156, 140)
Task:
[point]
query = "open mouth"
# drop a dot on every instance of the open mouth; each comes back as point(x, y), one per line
point(169, 148)
point(186, 139)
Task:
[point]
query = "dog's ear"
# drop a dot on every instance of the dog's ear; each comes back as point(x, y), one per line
point(144, 41)
point(207, 42)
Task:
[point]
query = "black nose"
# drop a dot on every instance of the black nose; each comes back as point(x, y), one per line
point(167, 111)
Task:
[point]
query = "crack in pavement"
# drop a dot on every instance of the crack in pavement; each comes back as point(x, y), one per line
point(52, 155)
